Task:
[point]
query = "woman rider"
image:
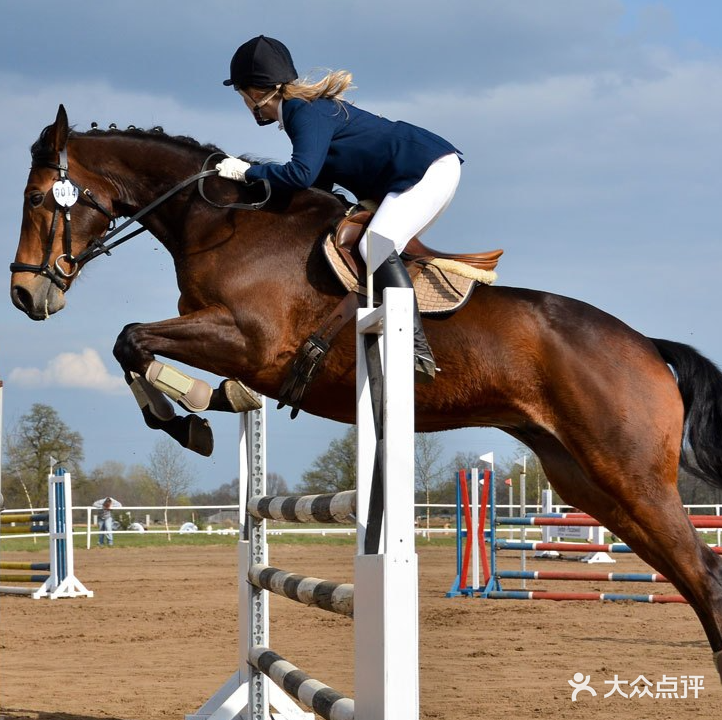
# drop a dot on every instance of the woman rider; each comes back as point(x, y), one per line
point(409, 171)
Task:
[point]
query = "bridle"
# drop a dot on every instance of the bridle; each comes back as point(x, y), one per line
point(66, 192)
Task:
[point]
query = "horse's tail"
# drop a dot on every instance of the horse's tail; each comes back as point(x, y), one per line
point(700, 384)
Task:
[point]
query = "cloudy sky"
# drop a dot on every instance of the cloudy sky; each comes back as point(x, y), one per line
point(591, 132)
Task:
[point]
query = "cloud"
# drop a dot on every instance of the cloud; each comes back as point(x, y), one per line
point(84, 370)
point(589, 142)
point(418, 44)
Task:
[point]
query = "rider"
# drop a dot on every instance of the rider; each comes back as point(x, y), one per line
point(409, 171)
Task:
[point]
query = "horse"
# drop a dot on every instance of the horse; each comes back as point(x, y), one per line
point(610, 413)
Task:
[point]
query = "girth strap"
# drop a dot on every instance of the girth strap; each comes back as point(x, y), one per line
point(310, 355)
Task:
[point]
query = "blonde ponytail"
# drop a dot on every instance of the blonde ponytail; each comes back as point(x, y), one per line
point(331, 86)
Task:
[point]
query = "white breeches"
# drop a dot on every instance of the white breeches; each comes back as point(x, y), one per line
point(403, 215)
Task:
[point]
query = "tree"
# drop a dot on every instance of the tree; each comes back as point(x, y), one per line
point(536, 479)
point(39, 435)
point(446, 491)
point(130, 485)
point(169, 474)
point(276, 484)
point(464, 461)
point(225, 494)
point(335, 470)
point(429, 472)
point(169, 471)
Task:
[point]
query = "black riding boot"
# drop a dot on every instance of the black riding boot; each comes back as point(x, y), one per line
point(392, 273)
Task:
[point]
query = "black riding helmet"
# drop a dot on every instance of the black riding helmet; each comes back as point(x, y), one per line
point(261, 62)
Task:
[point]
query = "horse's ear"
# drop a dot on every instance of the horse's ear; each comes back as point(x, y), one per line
point(60, 130)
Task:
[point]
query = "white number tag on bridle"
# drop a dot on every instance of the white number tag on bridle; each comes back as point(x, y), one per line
point(65, 193)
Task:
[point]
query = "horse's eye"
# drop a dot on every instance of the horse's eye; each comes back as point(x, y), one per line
point(36, 199)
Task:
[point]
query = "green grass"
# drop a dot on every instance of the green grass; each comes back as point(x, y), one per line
point(40, 544)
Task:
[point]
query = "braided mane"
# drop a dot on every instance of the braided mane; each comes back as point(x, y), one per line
point(42, 152)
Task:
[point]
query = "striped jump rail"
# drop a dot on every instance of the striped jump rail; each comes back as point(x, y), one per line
point(584, 576)
point(16, 590)
point(8, 565)
point(326, 508)
point(330, 596)
point(24, 518)
point(575, 547)
point(24, 578)
point(493, 589)
point(24, 529)
point(613, 597)
point(322, 699)
point(574, 520)
point(563, 546)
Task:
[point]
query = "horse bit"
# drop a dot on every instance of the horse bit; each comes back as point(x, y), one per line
point(66, 193)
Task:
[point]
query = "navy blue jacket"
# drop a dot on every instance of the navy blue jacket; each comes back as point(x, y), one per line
point(334, 142)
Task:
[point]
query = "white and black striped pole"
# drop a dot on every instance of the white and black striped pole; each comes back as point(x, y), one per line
point(324, 700)
point(337, 507)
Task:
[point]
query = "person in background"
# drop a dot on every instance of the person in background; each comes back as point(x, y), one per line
point(105, 523)
point(410, 172)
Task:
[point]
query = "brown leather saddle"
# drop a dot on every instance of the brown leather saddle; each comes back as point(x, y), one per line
point(442, 281)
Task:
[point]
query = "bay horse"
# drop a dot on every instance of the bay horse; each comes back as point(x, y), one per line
point(594, 399)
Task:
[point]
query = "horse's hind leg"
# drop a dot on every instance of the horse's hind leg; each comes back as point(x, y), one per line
point(640, 504)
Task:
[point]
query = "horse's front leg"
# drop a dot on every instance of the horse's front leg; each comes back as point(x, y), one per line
point(207, 339)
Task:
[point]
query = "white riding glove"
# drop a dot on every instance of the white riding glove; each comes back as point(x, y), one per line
point(233, 169)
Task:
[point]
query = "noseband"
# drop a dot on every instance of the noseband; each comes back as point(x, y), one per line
point(66, 192)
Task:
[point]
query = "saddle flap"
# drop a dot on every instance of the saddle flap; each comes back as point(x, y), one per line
point(348, 235)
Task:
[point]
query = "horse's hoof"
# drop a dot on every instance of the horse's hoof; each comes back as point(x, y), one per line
point(200, 436)
point(240, 397)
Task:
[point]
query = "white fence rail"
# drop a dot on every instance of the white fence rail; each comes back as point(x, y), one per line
point(137, 511)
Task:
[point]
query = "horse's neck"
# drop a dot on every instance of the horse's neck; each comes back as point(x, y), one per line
point(145, 174)
point(143, 170)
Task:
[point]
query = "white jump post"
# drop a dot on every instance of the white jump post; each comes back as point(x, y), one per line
point(61, 582)
point(385, 598)
point(386, 583)
point(245, 694)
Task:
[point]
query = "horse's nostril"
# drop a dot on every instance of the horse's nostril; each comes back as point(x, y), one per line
point(21, 298)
